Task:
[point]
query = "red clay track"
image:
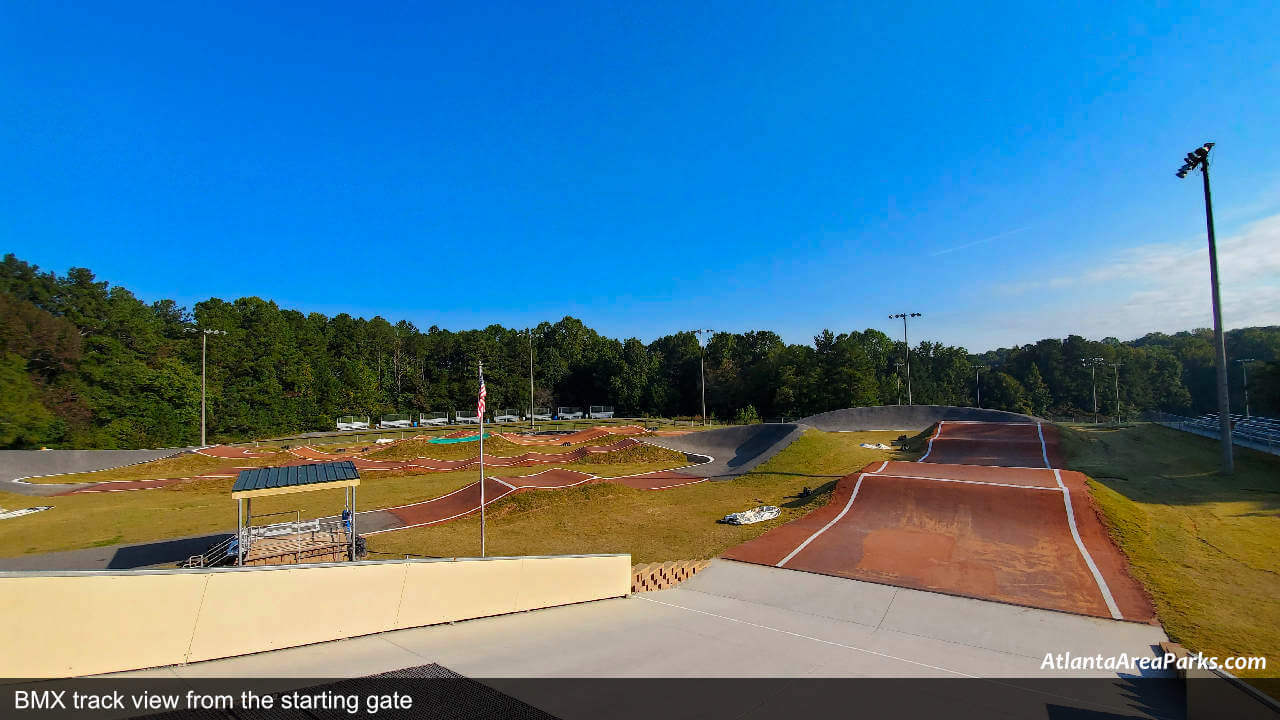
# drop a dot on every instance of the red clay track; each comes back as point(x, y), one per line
point(995, 533)
point(467, 499)
point(224, 451)
point(1005, 444)
point(573, 437)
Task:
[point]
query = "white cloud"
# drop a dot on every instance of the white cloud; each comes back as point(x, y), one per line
point(1160, 286)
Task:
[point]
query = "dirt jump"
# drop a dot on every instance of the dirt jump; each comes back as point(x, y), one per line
point(986, 514)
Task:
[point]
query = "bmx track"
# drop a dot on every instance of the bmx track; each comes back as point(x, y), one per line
point(984, 514)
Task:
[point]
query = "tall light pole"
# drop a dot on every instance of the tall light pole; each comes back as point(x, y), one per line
point(702, 370)
point(1116, 366)
point(1244, 372)
point(531, 425)
point(897, 376)
point(204, 347)
point(1092, 364)
point(904, 317)
point(976, 387)
point(1199, 158)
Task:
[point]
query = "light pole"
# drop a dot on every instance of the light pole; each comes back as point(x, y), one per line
point(532, 427)
point(976, 387)
point(1116, 366)
point(1092, 364)
point(1244, 372)
point(204, 347)
point(1199, 158)
point(904, 317)
point(702, 371)
point(897, 376)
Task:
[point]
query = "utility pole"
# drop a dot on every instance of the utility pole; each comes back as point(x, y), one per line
point(702, 370)
point(1200, 158)
point(1116, 366)
point(204, 348)
point(906, 342)
point(1244, 372)
point(1092, 364)
point(976, 386)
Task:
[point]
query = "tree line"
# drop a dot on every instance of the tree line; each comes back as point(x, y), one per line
point(89, 365)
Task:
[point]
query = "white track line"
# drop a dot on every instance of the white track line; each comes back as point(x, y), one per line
point(936, 433)
point(827, 527)
point(1097, 576)
point(451, 517)
point(504, 482)
point(1044, 452)
point(967, 482)
point(808, 637)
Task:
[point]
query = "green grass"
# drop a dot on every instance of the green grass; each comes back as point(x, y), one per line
point(204, 506)
point(674, 524)
point(1205, 545)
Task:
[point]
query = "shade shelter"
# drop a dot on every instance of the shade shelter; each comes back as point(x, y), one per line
point(270, 481)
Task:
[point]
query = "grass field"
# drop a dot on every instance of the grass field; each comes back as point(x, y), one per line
point(1206, 546)
point(204, 506)
point(652, 525)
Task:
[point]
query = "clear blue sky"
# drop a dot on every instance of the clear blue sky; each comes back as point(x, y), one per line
point(1007, 169)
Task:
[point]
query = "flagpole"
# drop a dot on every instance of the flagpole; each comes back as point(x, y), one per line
point(481, 414)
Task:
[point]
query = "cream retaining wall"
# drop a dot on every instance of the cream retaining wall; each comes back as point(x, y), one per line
point(61, 624)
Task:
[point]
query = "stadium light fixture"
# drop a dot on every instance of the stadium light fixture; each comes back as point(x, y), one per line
point(702, 370)
point(904, 317)
point(1199, 158)
point(204, 347)
point(1244, 372)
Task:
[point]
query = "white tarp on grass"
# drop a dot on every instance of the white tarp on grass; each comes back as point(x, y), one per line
point(754, 515)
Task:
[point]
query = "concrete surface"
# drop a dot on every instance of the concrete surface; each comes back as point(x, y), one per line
point(738, 620)
point(734, 450)
point(138, 619)
point(730, 620)
point(903, 417)
point(16, 464)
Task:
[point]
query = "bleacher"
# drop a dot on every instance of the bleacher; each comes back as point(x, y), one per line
point(1261, 433)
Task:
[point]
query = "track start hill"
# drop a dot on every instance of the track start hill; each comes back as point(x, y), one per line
point(986, 513)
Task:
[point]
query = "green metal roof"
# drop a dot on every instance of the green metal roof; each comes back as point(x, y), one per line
point(315, 474)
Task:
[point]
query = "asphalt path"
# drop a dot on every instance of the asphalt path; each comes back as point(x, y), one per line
point(18, 464)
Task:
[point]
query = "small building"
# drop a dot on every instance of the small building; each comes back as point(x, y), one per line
point(291, 539)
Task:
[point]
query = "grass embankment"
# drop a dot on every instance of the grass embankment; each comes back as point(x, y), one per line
point(204, 506)
point(185, 465)
point(1205, 545)
point(674, 524)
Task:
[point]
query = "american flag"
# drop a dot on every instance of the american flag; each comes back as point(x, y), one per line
point(480, 402)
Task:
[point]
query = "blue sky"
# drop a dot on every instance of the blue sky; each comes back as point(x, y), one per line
point(1005, 169)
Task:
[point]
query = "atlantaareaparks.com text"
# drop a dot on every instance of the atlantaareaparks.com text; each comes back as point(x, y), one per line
point(1167, 661)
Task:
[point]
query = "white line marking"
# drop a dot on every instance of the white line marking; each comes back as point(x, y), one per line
point(826, 527)
point(808, 637)
point(968, 482)
point(434, 522)
point(1043, 451)
point(1097, 576)
point(504, 482)
point(936, 433)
